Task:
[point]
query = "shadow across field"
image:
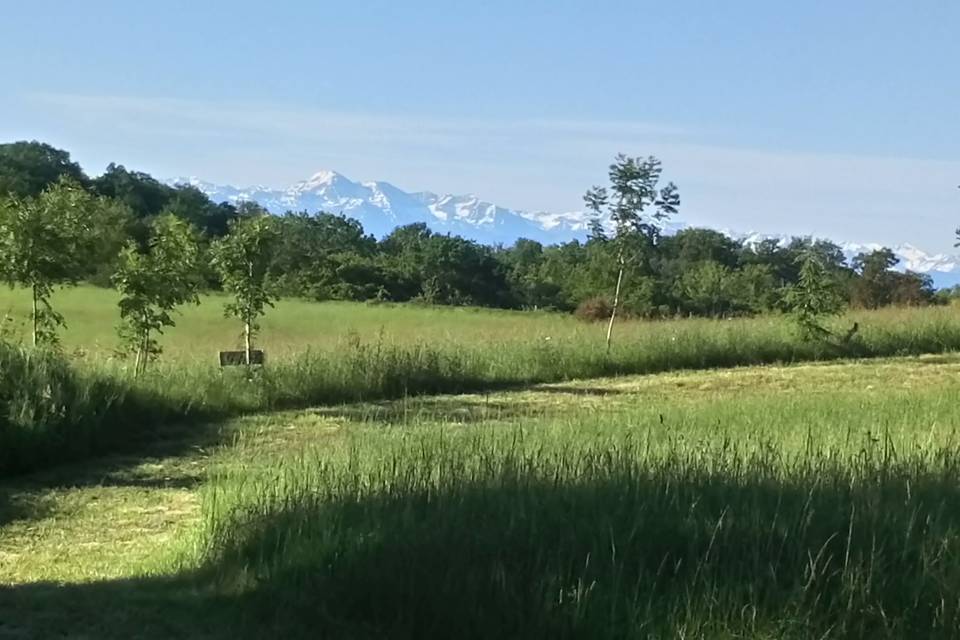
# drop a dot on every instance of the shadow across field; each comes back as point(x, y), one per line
point(173, 459)
point(149, 608)
point(17, 505)
point(630, 554)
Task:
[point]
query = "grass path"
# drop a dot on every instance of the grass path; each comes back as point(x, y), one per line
point(105, 519)
point(119, 529)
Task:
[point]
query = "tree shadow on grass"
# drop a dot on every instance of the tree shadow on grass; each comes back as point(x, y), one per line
point(69, 416)
point(161, 454)
point(15, 506)
point(173, 459)
point(148, 608)
point(627, 553)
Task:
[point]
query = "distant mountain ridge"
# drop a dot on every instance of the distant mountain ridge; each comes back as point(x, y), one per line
point(944, 269)
point(381, 206)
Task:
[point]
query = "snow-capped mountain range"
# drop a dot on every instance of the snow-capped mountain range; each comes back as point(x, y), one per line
point(381, 206)
point(942, 268)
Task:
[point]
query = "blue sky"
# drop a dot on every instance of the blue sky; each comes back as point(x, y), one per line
point(832, 118)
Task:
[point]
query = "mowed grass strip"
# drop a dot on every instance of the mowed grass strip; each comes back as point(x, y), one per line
point(803, 501)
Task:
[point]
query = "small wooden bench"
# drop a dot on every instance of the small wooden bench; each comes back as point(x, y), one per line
point(239, 358)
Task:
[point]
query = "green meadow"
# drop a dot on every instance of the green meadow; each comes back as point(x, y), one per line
point(84, 400)
point(296, 326)
point(418, 472)
point(288, 330)
point(798, 501)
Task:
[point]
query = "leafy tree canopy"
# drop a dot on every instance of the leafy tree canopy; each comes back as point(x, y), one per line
point(28, 168)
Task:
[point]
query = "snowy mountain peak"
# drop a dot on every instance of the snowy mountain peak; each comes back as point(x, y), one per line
point(322, 179)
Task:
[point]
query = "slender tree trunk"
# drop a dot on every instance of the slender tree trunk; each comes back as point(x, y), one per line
point(246, 340)
point(36, 315)
point(246, 321)
point(136, 364)
point(145, 348)
point(616, 305)
point(141, 364)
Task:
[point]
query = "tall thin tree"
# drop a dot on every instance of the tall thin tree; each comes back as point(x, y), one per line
point(636, 208)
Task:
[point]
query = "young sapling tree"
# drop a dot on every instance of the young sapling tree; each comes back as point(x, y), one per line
point(242, 259)
point(153, 281)
point(633, 191)
point(52, 240)
point(816, 295)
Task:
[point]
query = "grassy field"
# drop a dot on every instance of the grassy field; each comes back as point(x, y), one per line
point(289, 329)
point(805, 501)
point(84, 401)
point(296, 326)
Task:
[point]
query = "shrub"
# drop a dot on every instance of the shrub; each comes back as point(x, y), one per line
point(593, 310)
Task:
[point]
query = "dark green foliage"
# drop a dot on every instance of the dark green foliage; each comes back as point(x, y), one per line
point(444, 269)
point(326, 257)
point(193, 206)
point(330, 257)
point(880, 286)
point(145, 196)
point(815, 296)
point(28, 168)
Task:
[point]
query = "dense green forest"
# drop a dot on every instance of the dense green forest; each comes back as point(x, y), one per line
point(323, 256)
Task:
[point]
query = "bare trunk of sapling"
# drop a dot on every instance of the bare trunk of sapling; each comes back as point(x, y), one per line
point(616, 303)
point(247, 321)
point(246, 340)
point(36, 315)
point(141, 363)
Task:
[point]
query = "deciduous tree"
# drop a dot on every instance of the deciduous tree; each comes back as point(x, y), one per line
point(53, 240)
point(636, 208)
point(153, 282)
point(27, 169)
point(242, 259)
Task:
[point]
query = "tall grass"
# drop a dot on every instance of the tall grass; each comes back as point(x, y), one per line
point(800, 518)
point(52, 410)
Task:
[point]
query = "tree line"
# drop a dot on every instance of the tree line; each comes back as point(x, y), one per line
point(128, 230)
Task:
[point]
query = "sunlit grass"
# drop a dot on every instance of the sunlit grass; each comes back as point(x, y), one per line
point(815, 500)
point(58, 408)
point(799, 501)
point(778, 503)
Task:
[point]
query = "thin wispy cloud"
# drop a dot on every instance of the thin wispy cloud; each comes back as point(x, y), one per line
point(207, 118)
point(531, 163)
